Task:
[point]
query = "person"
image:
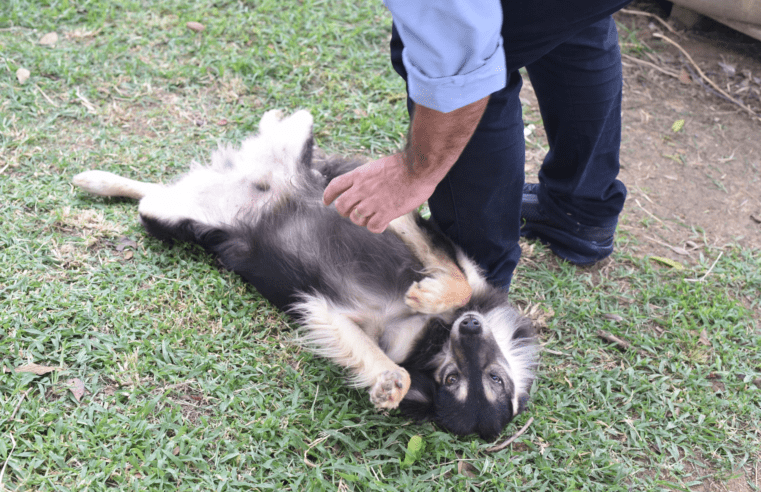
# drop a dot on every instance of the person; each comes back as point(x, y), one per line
point(465, 153)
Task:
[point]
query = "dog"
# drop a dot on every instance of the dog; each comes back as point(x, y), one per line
point(406, 312)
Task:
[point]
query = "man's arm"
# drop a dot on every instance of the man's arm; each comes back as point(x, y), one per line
point(380, 191)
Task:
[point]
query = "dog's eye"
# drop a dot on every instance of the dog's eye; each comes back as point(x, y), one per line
point(450, 379)
point(496, 378)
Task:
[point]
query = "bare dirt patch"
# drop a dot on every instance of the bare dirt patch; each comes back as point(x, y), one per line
point(701, 185)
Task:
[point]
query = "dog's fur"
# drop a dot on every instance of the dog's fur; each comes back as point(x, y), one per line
point(406, 312)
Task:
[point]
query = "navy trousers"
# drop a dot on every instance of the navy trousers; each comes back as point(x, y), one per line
point(575, 69)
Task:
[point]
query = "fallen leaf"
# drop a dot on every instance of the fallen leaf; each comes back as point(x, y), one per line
point(669, 262)
point(415, 448)
point(195, 26)
point(684, 77)
point(176, 450)
point(49, 39)
point(77, 387)
point(465, 468)
point(37, 369)
point(125, 242)
point(679, 251)
point(128, 255)
point(703, 338)
point(728, 69)
point(22, 75)
point(612, 317)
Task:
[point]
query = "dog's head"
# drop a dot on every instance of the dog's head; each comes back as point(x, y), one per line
point(480, 377)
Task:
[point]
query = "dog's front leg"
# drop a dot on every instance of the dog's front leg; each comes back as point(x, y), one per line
point(445, 286)
point(331, 333)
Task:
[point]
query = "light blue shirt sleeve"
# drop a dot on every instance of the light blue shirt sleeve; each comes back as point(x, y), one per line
point(453, 50)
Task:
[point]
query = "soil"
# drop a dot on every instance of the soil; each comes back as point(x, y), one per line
point(699, 186)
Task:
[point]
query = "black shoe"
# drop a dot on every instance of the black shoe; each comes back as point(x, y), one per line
point(577, 243)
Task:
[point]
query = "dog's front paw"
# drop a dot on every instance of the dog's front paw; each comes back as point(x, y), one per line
point(426, 296)
point(390, 388)
point(434, 295)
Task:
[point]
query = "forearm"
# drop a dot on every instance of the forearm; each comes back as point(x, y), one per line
point(437, 139)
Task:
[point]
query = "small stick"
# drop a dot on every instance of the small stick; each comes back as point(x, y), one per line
point(620, 344)
point(18, 405)
point(700, 72)
point(512, 438)
point(708, 272)
point(46, 96)
point(651, 65)
point(651, 215)
point(311, 445)
point(648, 14)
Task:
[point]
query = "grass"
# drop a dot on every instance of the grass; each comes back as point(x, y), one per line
point(194, 383)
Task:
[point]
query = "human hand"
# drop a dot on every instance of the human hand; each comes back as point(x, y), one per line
point(378, 192)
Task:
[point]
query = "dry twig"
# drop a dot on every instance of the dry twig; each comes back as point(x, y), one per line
point(648, 14)
point(670, 73)
point(704, 76)
point(311, 445)
point(18, 405)
point(708, 272)
point(500, 447)
point(619, 343)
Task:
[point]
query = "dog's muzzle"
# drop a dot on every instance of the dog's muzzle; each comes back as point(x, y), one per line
point(470, 325)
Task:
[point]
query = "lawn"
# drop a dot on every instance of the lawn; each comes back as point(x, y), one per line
point(130, 365)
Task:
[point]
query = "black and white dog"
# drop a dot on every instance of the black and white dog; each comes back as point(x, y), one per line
point(406, 312)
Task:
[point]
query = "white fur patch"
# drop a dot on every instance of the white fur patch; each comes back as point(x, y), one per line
point(259, 174)
point(473, 273)
point(520, 354)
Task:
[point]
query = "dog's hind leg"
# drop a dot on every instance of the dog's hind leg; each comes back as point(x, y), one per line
point(331, 333)
point(445, 286)
point(108, 184)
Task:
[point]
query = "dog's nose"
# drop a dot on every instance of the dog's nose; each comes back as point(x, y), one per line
point(470, 326)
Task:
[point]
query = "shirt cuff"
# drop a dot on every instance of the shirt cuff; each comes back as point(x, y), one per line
point(446, 94)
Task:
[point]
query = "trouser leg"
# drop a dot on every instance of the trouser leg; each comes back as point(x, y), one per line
point(578, 85)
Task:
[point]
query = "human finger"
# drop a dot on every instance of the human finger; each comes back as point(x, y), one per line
point(337, 187)
point(377, 224)
point(347, 202)
point(358, 218)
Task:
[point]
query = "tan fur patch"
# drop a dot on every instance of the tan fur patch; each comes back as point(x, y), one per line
point(445, 286)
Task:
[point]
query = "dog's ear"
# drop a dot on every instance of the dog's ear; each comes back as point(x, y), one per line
point(418, 402)
point(524, 331)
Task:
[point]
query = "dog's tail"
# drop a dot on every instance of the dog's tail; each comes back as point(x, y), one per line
point(108, 184)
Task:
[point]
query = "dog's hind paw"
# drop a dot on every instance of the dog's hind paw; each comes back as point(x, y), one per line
point(434, 295)
point(390, 388)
